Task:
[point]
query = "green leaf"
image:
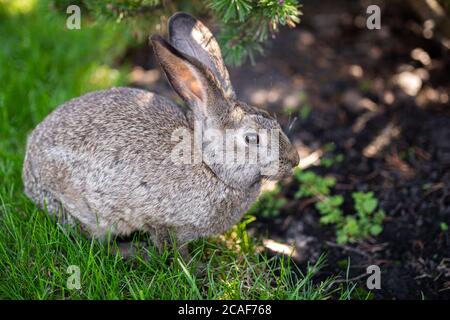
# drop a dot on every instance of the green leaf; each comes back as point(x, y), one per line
point(379, 216)
point(351, 226)
point(333, 217)
point(370, 205)
point(375, 230)
point(336, 200)
point(341, 238)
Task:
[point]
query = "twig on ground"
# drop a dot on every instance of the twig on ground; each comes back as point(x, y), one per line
point(348, 248)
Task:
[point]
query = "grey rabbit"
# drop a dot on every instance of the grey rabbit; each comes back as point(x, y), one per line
point(104, 160)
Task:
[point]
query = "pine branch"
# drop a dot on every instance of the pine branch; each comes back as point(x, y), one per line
point(245, 24)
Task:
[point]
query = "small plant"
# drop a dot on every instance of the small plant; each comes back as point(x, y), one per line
point(349, 228)
point(312, 184)
point(368, 220)
point(269, 204)
point(327, 162)
point(304, 112)
point(443, 226)
point(330, 209)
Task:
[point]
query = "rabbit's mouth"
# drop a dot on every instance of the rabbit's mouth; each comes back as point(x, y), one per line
point(284, 171)
point(256, 182)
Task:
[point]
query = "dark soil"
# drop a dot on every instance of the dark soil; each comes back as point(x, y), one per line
point(394, 144)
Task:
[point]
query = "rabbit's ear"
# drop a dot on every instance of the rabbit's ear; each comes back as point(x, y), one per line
point(193, 38)
point(192, 80)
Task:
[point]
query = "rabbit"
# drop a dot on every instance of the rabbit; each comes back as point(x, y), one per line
point(104, 160)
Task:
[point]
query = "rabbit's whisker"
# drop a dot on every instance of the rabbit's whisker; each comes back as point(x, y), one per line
point(292, 124)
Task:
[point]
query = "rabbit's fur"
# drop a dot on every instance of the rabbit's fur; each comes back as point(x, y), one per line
point(103, 160)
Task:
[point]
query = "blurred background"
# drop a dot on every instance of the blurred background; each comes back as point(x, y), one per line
point(368, 110)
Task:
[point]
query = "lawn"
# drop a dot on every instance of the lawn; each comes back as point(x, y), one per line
point(42, 64)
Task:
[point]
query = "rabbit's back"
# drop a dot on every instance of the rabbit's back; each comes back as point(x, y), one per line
point(106, 158)
point(119, 118)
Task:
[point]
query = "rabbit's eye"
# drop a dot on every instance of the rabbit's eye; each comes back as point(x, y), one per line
point(252, 138)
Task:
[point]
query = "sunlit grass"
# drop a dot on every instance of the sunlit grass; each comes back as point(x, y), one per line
point(14, 7)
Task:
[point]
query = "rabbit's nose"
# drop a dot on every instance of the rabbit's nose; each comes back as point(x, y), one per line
point(293, 157)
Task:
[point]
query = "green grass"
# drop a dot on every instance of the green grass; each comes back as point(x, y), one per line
point(42, 65)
